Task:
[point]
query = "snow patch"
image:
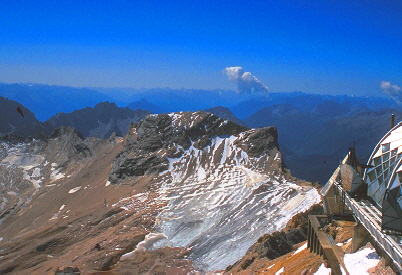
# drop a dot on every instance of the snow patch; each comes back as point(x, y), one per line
point(56, 215)
point(280, 271)
point(322, 270)
point(56, 174)
point(301, 248)
point(360, 261)
point(146, 245)
point(75, 189)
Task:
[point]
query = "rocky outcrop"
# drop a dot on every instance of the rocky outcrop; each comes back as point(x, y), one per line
point(29, 164)
point(223, 184)
point(156, 138)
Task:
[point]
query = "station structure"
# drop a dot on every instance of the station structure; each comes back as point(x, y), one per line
point(370, 195)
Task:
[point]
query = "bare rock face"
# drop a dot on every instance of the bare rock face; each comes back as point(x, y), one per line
point(157, 137)
point(29, 164)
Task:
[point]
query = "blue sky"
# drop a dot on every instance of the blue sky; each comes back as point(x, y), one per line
point(329, 47)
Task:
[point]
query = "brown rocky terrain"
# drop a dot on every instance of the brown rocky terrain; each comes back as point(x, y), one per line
point(101, 205)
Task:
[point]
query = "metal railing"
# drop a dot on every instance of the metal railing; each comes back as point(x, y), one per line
point(372, 225)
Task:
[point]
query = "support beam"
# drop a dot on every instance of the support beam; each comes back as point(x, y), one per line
point(360, 234)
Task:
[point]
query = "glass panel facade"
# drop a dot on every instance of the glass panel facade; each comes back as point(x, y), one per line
point(371, 175)
point(384, 165)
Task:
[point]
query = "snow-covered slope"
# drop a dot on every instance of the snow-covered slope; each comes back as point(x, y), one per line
point(222, 192)
point(220, 200)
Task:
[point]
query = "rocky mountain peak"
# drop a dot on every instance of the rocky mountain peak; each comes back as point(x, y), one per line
point(156, 139)
point(189, 183)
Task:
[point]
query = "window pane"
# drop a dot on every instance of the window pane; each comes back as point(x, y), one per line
point(378, 170)
point(380, 180)
point(371, 175)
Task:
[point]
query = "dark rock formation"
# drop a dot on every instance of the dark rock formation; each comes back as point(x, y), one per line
point(22, 123)
point(157, 137)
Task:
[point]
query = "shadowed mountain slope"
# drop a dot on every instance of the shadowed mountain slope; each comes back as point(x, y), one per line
point(23, 123)
point(100, 121)
point(224, 113)
point(145, 105)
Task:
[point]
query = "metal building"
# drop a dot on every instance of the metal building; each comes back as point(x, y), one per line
point(372, 195)
point(385, 177)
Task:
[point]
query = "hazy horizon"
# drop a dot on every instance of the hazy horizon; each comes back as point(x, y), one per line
point(329, 47)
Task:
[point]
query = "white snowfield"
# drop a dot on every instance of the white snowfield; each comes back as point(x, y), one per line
point(356, 263)
point(220, 201)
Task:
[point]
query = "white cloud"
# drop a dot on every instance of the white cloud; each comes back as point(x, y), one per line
point(393, 90)
point(246, 82)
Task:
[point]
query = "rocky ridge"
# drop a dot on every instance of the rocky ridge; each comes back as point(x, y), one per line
point(100, 121)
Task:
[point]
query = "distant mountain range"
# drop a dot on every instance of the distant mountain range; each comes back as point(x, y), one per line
point(47, 100)
point(314, 142)
point(315, 131)
point(101, 121)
